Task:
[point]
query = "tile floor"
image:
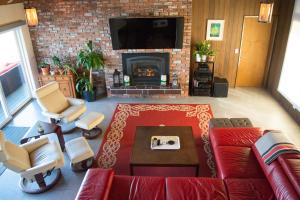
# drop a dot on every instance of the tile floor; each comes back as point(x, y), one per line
point(256, 104)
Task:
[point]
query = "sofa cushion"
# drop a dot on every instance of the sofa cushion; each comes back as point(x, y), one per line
point(137, 188)
point(195, 188)
point(279, 181)
point(96, 184)
point(234, 136)
point(244, 189)
point(291, 166)
point(236, 162)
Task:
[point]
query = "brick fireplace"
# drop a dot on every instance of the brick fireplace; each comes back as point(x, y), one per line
point(65, 26)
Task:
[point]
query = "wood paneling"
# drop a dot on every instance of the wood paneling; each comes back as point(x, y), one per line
point(253, 53)
point(233, 12)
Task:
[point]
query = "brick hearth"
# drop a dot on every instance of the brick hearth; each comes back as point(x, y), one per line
point(140, 91)
point(65, 26)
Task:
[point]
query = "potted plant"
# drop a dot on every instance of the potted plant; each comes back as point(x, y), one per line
point(211, 55)
point(58, 65)
point(45, 68)
point(201, 51)
point(90, 59)
point(85, 88)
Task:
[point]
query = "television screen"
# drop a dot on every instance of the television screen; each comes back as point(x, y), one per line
point(146, 33)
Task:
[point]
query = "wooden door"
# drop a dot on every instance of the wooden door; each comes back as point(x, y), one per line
point(254, 53)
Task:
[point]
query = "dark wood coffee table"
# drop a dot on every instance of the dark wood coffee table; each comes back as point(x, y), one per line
point(142, 155)
point(48, 128)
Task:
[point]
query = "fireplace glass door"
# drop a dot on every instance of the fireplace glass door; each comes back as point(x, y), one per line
point(145, 68)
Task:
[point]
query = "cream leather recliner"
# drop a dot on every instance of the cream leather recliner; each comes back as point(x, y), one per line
point(38, 162)
point(58, 107)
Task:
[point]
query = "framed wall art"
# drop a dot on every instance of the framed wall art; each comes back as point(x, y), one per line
point(215, 30)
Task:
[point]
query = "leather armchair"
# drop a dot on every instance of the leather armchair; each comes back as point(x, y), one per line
point(38, 162)
point(58, 107)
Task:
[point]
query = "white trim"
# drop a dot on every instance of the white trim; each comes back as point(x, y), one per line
point(25, 62)
point(3, 105)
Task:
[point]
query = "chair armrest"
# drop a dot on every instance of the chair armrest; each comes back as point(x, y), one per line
point(34, 144)
point(42, 168)
point(52, 115)
point(75, 102)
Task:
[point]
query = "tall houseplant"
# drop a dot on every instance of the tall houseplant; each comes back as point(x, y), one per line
point(90, 60)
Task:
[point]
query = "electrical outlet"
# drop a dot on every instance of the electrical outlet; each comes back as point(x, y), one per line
point(236, 51)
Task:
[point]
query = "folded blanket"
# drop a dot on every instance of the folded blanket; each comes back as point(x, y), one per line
point(273, 144)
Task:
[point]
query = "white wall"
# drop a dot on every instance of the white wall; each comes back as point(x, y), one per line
point(13, 12)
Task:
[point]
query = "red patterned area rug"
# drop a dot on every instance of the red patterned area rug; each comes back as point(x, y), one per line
point(118, 140)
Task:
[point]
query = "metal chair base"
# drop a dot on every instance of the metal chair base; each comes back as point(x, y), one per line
point(91, 134)
point(42, 184)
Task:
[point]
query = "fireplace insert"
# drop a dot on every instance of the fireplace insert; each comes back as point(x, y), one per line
point(145, 68)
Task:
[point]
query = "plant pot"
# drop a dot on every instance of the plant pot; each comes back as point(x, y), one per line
point(89, 96)
point(198, 58)
point(45, 70)
point(203, 58)
point(211, 58)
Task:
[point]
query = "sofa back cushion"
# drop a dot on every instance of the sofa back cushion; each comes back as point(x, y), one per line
point(137, 188)
point(249, 188)
point(195, 188)
point(278, 178)
point(233, 154)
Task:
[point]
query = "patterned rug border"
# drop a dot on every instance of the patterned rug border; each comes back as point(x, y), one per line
point(106, 157)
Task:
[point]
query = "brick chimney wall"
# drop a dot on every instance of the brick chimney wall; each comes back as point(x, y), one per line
point(65, 26)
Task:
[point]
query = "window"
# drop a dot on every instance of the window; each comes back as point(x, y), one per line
point(289, 84)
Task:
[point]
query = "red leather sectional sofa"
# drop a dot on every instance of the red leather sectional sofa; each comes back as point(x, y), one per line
point(241, 175)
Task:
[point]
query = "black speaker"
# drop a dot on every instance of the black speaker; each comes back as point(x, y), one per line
point(220, 88)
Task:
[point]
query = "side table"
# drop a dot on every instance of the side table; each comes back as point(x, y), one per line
point(48, 128)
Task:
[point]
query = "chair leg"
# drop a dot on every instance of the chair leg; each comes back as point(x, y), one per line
point(40, 180)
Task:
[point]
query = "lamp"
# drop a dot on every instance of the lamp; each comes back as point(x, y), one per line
point(265, 11)
point(31, 16)
point(116, 78)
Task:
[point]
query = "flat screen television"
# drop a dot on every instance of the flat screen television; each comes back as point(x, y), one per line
point(147, 33)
